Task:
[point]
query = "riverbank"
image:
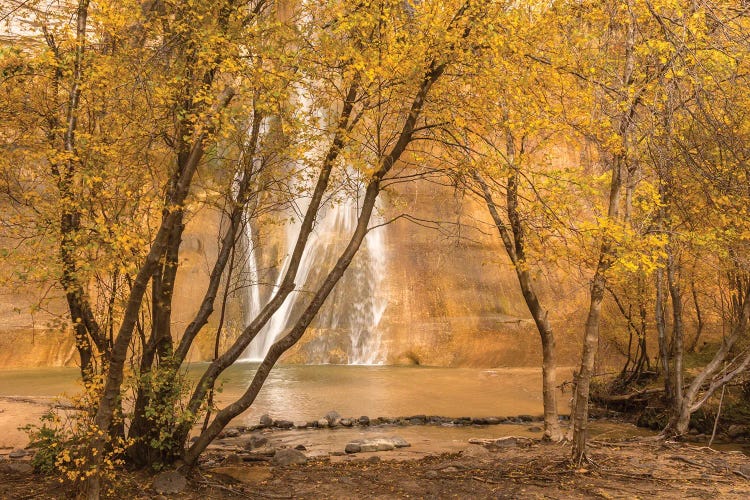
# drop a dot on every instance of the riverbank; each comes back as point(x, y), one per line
point(639, 468)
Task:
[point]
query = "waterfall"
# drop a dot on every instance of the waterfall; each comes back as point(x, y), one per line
point(348, 322)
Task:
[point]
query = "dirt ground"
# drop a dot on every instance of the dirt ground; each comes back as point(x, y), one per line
point(635, 469)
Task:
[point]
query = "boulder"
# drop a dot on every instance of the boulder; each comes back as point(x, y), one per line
point(232, 432)
point(375, 444)
point(346, 422)
point(322, 423)
point(477, 452)
point(169, 483)
point(283, 424)
point(300, 424)
point(399, 442)
point(232, 459)
point(288, 456)
point(255, 442)
point(333, 418)
point(364, 420)
point(300, 447)
point(16, 468)
point(247, 475)
point(352, 447)
point(266, 421)
point(18, 453)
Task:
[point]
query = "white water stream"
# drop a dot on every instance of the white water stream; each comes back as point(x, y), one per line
point(348, 322)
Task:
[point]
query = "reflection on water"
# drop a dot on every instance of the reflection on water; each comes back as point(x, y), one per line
point(306, 392)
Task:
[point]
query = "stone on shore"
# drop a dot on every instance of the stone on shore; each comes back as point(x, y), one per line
point(283, 424)
point(288, 456)
point(247, 475)
point(16, 468)
point(255, 442)
point(169, 483)
point(375, 444)
point(18, 453)
point(333, 418)
point(266, 420)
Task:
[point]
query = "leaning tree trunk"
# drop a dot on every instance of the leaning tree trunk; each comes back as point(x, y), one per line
point(405, 137)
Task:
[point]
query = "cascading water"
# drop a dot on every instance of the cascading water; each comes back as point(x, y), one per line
point(347, 326)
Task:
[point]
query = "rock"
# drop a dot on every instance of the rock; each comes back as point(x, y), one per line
point(333, 418)
point(476, 451)
point(288, 456)
point(346, 422)
point(322, 423)
point(300, 447)
point(232, 459)
point(479, 421)
point(169, 482)
point(432, 474)
point(364, 420)
point(16, 468)
point(18, 453)
point(525, 418)
point(506, 442)
point(736, 431)
point(352, 448)
point(265, 451)
point(368, 446)
point(247, 475)
point(283, 424)
point(510, 442)
point(534, 428)
point(232, 432)
point(301, 424)
point(374, 459)
point(399, 442)
point(255, 442)
point(418, 419)
point(266, 421)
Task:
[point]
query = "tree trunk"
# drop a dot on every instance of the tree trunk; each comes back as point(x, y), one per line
point(579, 420)
point(516, 250)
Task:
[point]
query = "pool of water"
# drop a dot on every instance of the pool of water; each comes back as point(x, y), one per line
point(306, 392)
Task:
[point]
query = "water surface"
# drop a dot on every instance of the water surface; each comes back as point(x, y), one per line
point(306, 392)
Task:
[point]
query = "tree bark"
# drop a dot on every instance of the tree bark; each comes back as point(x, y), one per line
point(515, 246)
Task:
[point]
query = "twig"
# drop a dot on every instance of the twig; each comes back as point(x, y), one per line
point(716, 420)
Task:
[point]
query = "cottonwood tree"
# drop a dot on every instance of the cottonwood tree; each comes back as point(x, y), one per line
point(699, 159)
point(198, 69)
point(502, 131)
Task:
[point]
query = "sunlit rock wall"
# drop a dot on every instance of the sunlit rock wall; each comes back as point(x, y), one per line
point(451, 298)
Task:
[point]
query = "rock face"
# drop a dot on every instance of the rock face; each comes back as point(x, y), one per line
point(169, 482)
point(288, 456)
point(449, 301)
